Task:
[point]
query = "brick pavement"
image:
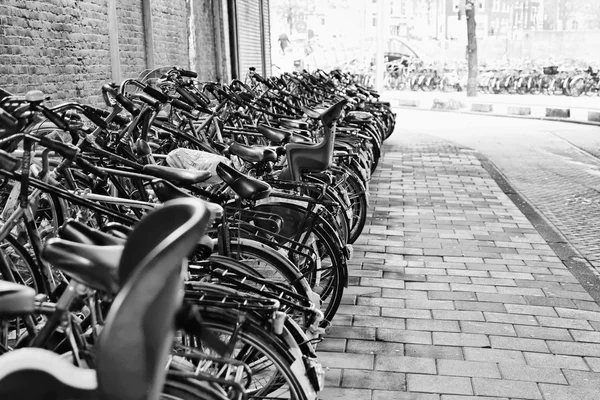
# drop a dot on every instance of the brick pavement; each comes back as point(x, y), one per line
point(454, 295)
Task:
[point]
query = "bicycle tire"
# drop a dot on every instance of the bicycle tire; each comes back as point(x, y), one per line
point(336, 274)
point(259, 344)
point(178, 389)
point(36, 281)
point(245, 249)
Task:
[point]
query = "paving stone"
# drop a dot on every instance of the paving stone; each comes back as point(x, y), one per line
point(394, 395)
point(578, 314)
point(336, 393)
point(352, 332)
point(430, 304)
point(508, 388)
point(353, 378)
point(537, 332)
point(574, 348)
point(587, 305)
point(462, 397)
point(501, 298)
point(359, 310)
point(427, 286)
point(407, 364)
point(493, 282)
point(403, 336)
point(403, 294)
point(439, 384)
point(459, 287)
point(363, 291)
point(494, 355)
point(468, 368)
point(523, 373)
point(380, 302)
point(434, 295)
point(543, 360)
point(405, 313)
point(511, 275)
point(333, 377)
point(332, 344)
point(460, 339)
point(378, 322)
point(383, 283)
point(585, 336)
point(457, 315)
point(371, 347)
point(565, 323)
point(510, 318)
point(479, 306)
point(549, 302)
point(517, 343)
point(429, 351)
point(593, 362)
point(346, 360)
point(530, 310)
point(432, 325)
point(489, 328)
point(449, 279)
point(523, 291)
point(562, 392)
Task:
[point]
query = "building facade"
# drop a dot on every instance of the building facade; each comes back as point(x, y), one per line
point(69, 48)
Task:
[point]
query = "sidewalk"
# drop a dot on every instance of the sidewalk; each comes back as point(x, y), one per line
point(454, 294)
point(574, 109)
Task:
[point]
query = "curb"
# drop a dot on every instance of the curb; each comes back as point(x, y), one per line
point(542, 113)
point(581, 269)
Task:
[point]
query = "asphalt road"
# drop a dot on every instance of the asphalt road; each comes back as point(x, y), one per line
point(554, 165)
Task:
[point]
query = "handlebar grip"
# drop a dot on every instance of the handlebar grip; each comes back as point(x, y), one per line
point(119, 119)
point(201, 99)
point(151, 101)
point(157, 94)
point(181, 105)
point(92, 115)
point(64, 149)
point(90, 168)
point(127, 104)
point(55, 119)
point(263, 80)
point(186, 96)
point(188, 74)
point(7, 121)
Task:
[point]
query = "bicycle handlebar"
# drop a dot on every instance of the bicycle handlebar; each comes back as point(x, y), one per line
point(120, 98)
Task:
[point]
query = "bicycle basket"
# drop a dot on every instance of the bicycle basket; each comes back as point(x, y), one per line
point(553, 70)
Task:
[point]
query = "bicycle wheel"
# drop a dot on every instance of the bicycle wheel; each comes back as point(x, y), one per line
point(268, 263)
point(179, 389)
point(357, 197)
point(21, 264)
point(276, 372)
point(330, 275)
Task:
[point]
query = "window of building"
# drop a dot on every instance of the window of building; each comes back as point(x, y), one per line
point(574, 25)
point(374, 21)
point(481, 4)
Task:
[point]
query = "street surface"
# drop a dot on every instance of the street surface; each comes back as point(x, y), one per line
point(544, 160)
point(453, 293)
point(586, 102)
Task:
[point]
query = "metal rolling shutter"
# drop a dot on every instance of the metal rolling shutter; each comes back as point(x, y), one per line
point(267, 36)
point(250, 36)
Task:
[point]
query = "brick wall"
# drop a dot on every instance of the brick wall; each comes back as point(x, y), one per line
point(62, 46)
point(132, 46)
point(169, 19)
point(57, 46)
point(205, 33)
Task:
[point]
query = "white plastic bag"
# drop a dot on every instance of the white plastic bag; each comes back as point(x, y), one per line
point(198, 160)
